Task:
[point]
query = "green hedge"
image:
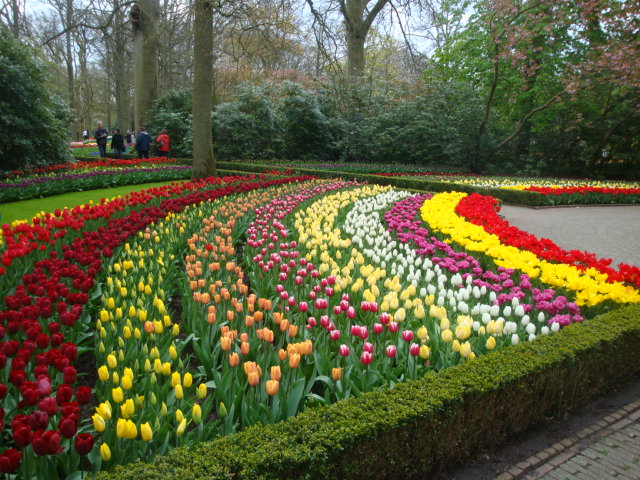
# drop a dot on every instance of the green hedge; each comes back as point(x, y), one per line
point(420, 427)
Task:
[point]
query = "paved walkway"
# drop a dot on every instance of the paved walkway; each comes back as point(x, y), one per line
point(610, 448)
point(608, 231)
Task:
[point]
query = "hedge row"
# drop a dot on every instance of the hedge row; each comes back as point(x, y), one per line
point(420, 427)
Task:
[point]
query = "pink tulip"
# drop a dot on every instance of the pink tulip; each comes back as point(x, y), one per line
point(364, 306)
point(407, 335)
point(343, 350)
point(312, 295)
point(312, 322)
point(377, 328)
point(344, 305)
point(373, 307)
point(366, 358)
point(351, 313)
point(337, 310)
point(282, 277)
point(329, 292)
point(367, 347)
point(335, 334)
point(292, 301)
point(385, 318)
point(279, 288)
point(324, 321)
point(284, 295)
point(391, 351)
point(414, 349)
point(303, 307)
point(331, 279)
point(393, 327)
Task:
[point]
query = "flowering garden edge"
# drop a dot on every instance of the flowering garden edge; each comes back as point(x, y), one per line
point(385, 415)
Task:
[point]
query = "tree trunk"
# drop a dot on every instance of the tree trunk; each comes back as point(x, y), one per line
point(203, 159)
point(355, 50)
point(73, 130)
point(120, 78)
point(15, 26)
point(146, 60)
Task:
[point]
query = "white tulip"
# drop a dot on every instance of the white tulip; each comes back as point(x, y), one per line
point(515, 339)
point(531, 328)
point(544, 330)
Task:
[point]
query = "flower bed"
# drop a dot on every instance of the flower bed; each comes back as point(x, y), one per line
point(212, 307)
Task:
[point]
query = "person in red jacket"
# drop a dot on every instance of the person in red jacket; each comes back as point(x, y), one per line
point(163, 144)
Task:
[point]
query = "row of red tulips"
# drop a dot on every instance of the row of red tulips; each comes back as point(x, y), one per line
point(483, 210)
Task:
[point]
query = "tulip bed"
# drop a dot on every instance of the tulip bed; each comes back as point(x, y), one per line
point(210, 307)
point(84, 175)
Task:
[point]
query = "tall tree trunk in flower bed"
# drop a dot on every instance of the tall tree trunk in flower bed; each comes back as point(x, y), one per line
point(203, 159)
point(144, 17)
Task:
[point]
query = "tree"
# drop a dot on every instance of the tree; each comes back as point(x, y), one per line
point(203, 159)
point(358, 17)
point(144, 18)
point(33, 118)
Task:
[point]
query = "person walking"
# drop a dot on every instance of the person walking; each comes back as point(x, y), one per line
point(143, 143)
point(163, 144)
point(117, 143)
point(101, 135)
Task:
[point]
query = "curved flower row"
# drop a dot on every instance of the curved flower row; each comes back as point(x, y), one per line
point(589, 286)
point(583, 189)
point(51, 299)
point(483, 210)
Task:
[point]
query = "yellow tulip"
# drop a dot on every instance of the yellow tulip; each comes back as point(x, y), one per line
point(465, 350)
point(103, 373)
point(491, 343)
point(117, 395)
point(145, 432)
point(132, 430)
point(400, 315)
point(424, 352)
point(127, 408)
point(455, 346)
point(166, 369)
point(182, 427)
point(175, 379)
point(105, 452)
point(202, 391)
point(446, 335)
point(98, 423)
point(121, 428)
point(111, 361)
point(163, 410)
point(187, 380)
point(196, 413)
point(178, 392)
point(423, 333)
point(126, 382)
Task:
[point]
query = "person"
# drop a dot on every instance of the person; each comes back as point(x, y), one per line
point(85, 135)
point(163, 144)
point(143, 143)
point(117, 143)
point(129, 137)
point(101, 135)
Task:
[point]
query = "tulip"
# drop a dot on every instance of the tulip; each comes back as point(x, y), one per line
point(272, 387)
point(179, 393)
point(414, 349)
point(175, 379)
point(132, 430)
point(336, 373)
point(121, 428)
point(182, 427)
point(234, 359)
point(83, 443)
point(117, 395)
point(407, 335)
point(446, 335)
point(343, 351)
point(465, 350)
point(105, 452)
point(196, 413)
point(391, 351)
point(126, 382)
point(491, 343)
point(366, 358)
point(294, 360)
point(103, 373)
point(424, 352)
point(187, 380)
point(146, 432)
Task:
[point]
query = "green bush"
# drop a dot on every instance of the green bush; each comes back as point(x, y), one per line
point(420, 427)
point(33, 119)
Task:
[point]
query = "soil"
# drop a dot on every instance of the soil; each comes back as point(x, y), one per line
point(490, 463)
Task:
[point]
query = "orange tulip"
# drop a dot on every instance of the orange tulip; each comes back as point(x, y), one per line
point(268, 335)
point(244, 348)
point(277, 317)
point(230, 315)
point(225, 343)
point(284, 325)
point(253, 378)
point(275, 372)
point(234, 359)
point(149, 327)
point(258, 316)
point(336, 373)
point(293, 330)
point(282, 354)
point(294, 360)
point(272, 387)
point(244, 337)
point(307, 347)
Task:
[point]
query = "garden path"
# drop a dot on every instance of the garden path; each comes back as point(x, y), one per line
point(602, 439)
point(608, 231)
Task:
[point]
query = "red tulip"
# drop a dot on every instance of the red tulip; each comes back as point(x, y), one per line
point(69, 426)
point(46, 443)
point(49, 405)
point(38, 420)
point(69, 375)
point(9, 460)
point(83, 394)
point(84, 443)
point(22, 435)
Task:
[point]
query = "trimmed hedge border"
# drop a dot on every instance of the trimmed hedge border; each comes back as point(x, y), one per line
point(422, 426)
